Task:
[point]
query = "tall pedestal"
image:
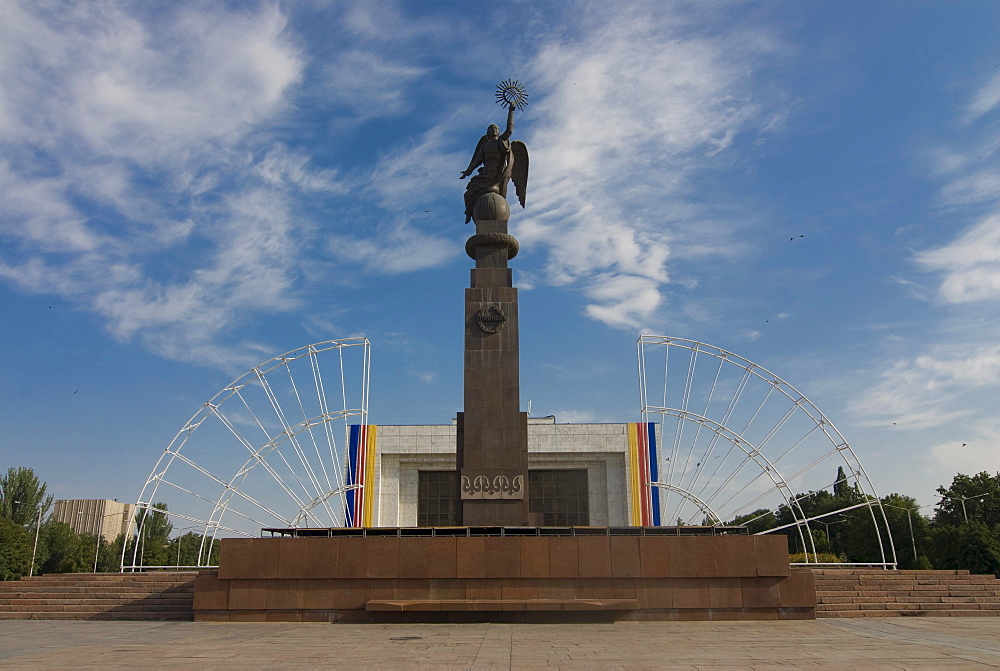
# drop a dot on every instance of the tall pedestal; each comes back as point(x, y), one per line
point(492, 449)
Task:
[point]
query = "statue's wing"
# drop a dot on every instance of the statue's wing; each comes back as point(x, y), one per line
point(519, 171)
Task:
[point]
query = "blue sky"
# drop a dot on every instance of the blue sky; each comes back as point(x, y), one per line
point(189, 189)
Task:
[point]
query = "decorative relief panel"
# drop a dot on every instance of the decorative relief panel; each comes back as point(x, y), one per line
point(492, 487)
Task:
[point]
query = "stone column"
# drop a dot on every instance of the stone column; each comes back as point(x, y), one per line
point(492, 450)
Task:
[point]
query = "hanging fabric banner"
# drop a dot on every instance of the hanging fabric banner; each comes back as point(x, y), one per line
point(644, 500)
point(361, 452)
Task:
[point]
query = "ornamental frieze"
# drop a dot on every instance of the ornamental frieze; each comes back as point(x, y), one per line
point(492, 487)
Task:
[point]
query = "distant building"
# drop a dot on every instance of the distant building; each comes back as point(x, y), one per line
point(92, 516)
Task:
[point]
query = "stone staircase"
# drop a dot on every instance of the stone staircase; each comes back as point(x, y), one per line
point(854, 592)
point(99, 596)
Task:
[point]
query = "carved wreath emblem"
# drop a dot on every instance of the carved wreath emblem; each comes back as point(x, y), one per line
point(491, 319)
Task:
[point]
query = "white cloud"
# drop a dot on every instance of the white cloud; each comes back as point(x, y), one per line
point(931, 389)
point(119, 133)
point(283, 168)
point(635, 109)
point(970, 264)
point(979, 187)
point(969, 453)
point(986, 99)
point(622, 300)
point(394, 249)
point(369, 83)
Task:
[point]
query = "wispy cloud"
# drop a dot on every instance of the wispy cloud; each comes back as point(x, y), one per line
point(970, 264)
point(930, 389)
point(370, 84)
point(985, 100)
point(635, 109)
point(945, 378)
point(129, 144)
point(969, 452)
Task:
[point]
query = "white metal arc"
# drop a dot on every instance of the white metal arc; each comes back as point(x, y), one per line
point(730, 404)
point(705, 508)
point(269, 449)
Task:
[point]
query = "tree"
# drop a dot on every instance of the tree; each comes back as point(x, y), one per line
point(15, 550)
point(842, 488)
point(110, 556)
point(153, 536)
point(184, 551)
point(62, 550)
point(980, 495)
point(21, 496)
point(971, 546)
point(896, 507)
point(759, 520)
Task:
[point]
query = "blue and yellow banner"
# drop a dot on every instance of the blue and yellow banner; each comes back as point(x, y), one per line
point(361, 453)
point(644, 500)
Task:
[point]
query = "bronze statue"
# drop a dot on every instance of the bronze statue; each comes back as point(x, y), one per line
point(501, 159)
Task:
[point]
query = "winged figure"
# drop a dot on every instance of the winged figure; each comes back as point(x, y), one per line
point(502, 160)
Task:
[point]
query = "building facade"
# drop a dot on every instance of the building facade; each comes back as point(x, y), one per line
point(579, 474)
point(92, 516)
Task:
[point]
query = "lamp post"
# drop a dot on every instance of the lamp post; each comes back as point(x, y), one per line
point(34, 549)
point(180, 539)
point(97, 551)
point(909, 519)
point(963, 499)
point(826, 525)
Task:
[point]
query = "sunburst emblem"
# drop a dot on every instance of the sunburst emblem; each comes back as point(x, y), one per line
point(511, 92)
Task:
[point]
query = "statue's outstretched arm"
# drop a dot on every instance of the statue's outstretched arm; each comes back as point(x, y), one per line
point(510, 123)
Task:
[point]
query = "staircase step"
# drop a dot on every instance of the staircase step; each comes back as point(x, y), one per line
point(117, 596)
point(878, 593)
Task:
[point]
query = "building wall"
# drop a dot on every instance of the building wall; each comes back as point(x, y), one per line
point(91, 516)
point(403, 451)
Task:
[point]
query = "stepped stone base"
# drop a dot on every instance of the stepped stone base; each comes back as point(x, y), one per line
point(504, 579)
point(99, 596)
point(851, 592)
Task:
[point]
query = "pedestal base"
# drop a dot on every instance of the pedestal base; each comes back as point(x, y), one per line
point(505, 578)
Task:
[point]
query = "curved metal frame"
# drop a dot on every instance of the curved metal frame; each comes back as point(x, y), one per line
point(319, 481)
point(797, 403)
point(705, 508)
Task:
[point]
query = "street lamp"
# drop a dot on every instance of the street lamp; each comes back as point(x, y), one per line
point(97, 551)
point(909, 519)
point(180, 538)
point(826, 525)
point(34, 549)
point(963, 499)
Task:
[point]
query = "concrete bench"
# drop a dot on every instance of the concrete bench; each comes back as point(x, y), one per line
point(480, 605)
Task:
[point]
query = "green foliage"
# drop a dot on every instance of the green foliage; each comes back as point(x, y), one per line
point(896, 507)
point(15, 550)
point(843, 489)
point(973, 546)
point(110, 557)
point(153, 537)
point(185, 550)
point(982, 500)
point(759, 520)
point(822, 504)
point(62, 550)
point(822, 558)
point(21, 496)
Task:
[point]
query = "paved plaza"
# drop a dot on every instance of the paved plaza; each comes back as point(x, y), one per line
point(876, 643)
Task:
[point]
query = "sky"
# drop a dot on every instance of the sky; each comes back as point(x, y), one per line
point(188, 189)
